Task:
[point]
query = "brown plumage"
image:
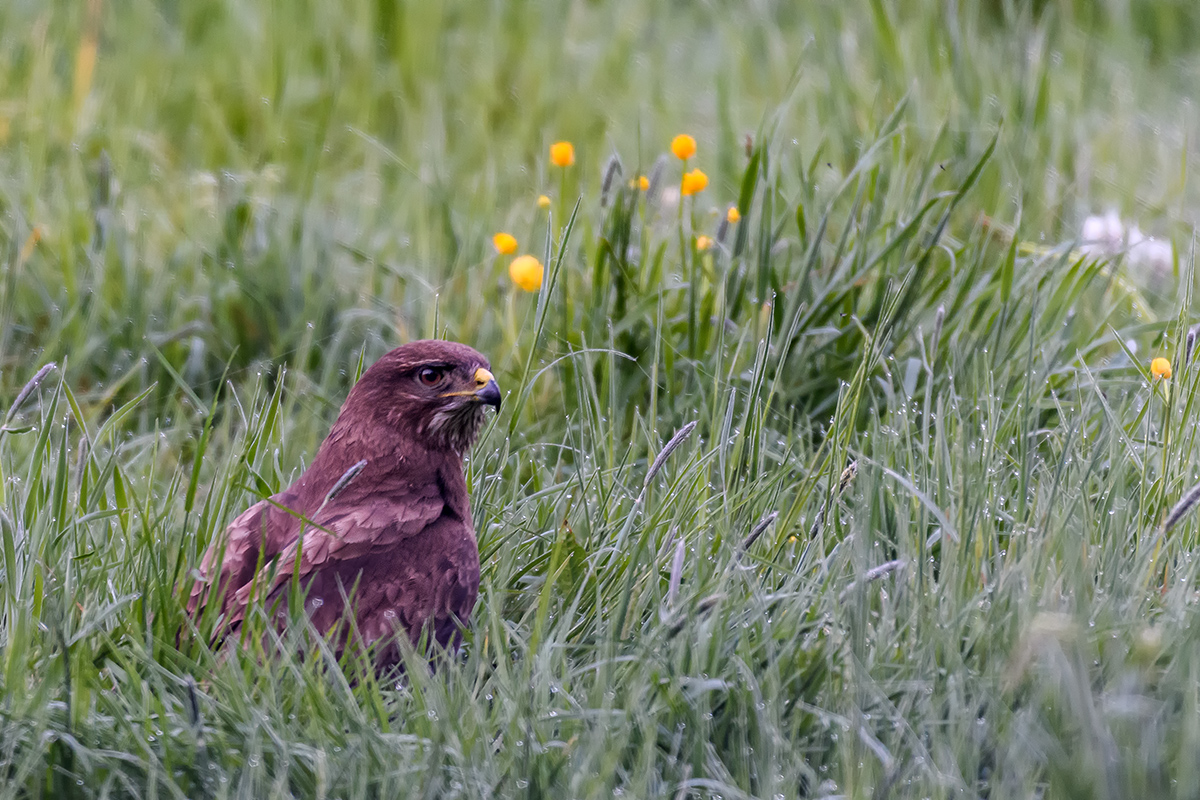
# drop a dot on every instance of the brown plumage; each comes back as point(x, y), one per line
point(384, 510)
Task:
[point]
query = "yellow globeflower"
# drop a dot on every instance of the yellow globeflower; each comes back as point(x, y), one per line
point(1161, 368)
point(562, 154)
point(683, 146)
point(543, 201)
point(693, 182)
point(703, 243)
point(526, 272)
point(505, 243)
point(733, 215)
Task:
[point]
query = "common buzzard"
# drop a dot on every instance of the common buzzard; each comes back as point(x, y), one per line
point(381, 517)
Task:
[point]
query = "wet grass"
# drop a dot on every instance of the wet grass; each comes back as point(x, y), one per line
point(876, 496)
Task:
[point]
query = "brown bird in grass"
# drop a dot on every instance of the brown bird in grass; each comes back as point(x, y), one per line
point(382, 516)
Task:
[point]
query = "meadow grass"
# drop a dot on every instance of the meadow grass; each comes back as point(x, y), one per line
point(876, 496)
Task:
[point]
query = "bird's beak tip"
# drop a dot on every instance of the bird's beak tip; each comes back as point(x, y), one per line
point(490, 394)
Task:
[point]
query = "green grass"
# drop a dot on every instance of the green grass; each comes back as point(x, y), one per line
point(243, 201)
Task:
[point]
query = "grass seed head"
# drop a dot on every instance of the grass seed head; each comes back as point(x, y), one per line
point(938, 321)
point(656, 176)
point(344, 481)
point(678, 439)
point(611, 171)
point(722, 230)
point(758, 530)
point(28, 389)
point(1182, 508)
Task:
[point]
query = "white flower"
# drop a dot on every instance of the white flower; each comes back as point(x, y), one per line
point(669, 197)
point(1103, 235)
point(1107, 235)
point(1152, 254)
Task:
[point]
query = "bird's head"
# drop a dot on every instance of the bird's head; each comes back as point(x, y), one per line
point(431, 391)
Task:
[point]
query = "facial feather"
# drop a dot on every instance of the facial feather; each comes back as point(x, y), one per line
point(457, 426)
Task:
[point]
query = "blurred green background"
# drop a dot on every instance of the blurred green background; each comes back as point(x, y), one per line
point(234, 180)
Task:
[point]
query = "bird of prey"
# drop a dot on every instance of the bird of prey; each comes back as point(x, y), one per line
point(381, 520)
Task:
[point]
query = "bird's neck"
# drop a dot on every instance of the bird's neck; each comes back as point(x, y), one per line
point(394, 465)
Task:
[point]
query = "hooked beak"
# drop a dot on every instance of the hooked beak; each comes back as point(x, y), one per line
point(487, 390)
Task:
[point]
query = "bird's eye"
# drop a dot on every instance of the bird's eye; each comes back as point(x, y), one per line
point(430, 376)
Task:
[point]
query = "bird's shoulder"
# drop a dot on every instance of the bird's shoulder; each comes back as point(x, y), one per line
point(373, 522)
point(400, 508)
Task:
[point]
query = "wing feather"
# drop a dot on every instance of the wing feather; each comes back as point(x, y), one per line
point(347, 534)
point(257, 535)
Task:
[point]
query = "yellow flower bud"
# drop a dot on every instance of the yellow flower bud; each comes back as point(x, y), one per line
point(505, 243)
point(526, 272)
point(562, 154)
point(543, 201)
point(1160, 368)
point(683, 146)
point(703, 243)
point(693, 182)
point(733, 215)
